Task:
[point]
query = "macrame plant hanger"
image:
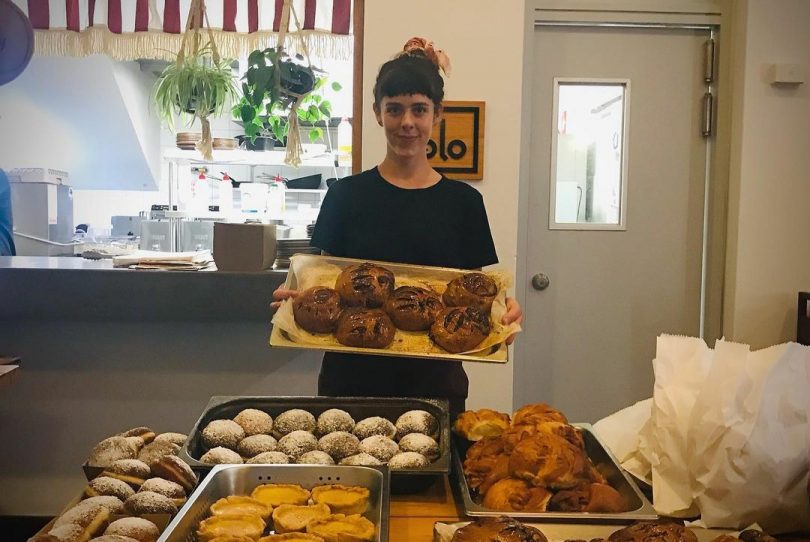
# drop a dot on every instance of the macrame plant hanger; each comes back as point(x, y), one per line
point(193, 43)
point(294, 150)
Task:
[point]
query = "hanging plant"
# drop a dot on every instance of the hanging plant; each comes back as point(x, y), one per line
point(198, 84)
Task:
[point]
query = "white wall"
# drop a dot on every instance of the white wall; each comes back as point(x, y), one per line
point(485, 43)
point(768, 258)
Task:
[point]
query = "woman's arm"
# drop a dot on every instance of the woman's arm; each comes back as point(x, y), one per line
point(514, 313)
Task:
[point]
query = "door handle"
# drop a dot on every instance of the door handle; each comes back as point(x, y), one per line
point(540, 281)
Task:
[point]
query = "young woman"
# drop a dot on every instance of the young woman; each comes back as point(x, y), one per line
point(404, 211)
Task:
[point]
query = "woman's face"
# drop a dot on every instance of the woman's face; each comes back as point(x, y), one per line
point(408, 121)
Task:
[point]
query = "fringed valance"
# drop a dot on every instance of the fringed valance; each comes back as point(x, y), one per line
point(132, 29)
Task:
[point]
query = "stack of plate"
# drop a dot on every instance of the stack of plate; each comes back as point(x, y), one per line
point(187, 140)
point(310, 229)
point(287, 247)
point(224, 143)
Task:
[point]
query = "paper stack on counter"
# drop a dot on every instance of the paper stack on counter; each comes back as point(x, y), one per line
point(726, 435)
point(179, 261)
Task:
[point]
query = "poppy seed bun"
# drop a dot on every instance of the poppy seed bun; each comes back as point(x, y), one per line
point(365, 285)
point(317, 309)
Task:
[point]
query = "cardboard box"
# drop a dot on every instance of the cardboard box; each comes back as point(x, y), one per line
point(244, 247)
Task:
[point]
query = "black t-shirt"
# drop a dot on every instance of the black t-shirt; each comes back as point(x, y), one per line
point(366, 217)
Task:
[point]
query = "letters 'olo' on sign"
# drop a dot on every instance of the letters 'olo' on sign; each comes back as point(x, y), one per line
point(456, 146)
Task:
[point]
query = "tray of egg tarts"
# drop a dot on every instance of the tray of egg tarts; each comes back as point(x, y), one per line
point(349, 305)
point(286, 502)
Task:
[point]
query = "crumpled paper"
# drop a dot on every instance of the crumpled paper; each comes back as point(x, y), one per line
point(728, 435)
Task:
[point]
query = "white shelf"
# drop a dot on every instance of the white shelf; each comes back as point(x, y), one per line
point(304, 191)
point(248, 158)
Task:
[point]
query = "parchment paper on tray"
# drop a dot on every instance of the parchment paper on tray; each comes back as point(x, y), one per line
point(308, 270)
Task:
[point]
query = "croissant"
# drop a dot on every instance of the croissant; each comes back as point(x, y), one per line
point(660, 531)
point(513, 495)
point(486, 463)
point(594, 498)
point(537, 413)
point(500, 529)
point(477, 424)
point(546, 460)
point(518, 432)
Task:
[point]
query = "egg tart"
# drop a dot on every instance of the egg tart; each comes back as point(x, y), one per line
point(241, 505)
point(340, 527)
point(289, 518)
point(342, 499)
point(233, 525)
point(278, 494)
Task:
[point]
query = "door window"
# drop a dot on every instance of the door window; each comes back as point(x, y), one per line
point(588, 154)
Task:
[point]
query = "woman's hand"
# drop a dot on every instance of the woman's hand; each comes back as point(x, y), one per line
point(513, 314)
point(280, 294)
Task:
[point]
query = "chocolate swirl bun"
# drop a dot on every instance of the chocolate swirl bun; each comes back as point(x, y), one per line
point(365, 285)
point(412, 308)
point(459, 329)
point(658, 531)
point(475, 289)
point(500, 529)
point(365, 328)
point(317, 309)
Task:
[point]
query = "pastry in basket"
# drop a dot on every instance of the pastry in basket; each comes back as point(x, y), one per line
point(269, 458)
point(486, 463)
point(254, 421)
point(149, 502)
point(156, 449)
point(412, 308)
point(143, 432)
point(278, 494)
point(105, 485)
point(340, 528)
point(375, 425)
point(513, 495)
point(295, 419)
point(421, 444)
point(315, 457)
point(537, 413)
point(91, 517)
point(365, 285)
point(241, 505)
point(408, 460)
point(131, 471)
point(334, 419)
point(226, 433)
point(365, 328)
point(140, 529)
point(460, 329)
point(297, 443)
point(342, 499)
point(175, 438)
point(255, 444)
point(417, 421)
point(289, 518)
point(476, 424)
point(232, 525)
point(361, 459)
point(170, 489)
point(339, 444)
point(111, 449)
point(471, 289)
point(516, 433)
point(291, 537)
point(593, 498)
point(498, 529)
point(659, 531)
point(317, 309)
point(383, 448)
point(546, 460)
point(113, 504)
point(221, 456)
point(171, 467)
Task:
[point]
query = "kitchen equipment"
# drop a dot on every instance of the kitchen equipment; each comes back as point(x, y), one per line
point(310, 182)
point(224, 407)
point(287, 247)
point(641, 509)
point(227, 480)
point(42, 203)
point(157, 235)
point(196, 234)
point(126, 226)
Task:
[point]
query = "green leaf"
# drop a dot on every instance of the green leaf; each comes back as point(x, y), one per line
point(256, 58)
point(315, 134)
point(315, 98)
point(336, 86)
point(248, 113)
point(325, 109)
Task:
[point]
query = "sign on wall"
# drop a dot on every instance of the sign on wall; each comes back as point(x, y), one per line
point(456, 146)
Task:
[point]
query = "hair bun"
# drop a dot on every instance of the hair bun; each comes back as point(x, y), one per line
point(417, 45)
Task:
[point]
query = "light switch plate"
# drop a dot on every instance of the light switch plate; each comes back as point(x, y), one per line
point(786, 74)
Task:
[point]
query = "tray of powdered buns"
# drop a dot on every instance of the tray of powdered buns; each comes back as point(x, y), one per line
point(534, 464)
point(304, 503)
point(349, 305)
point(410, 436)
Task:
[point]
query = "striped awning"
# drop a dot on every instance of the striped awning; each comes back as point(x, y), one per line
point(132, 29)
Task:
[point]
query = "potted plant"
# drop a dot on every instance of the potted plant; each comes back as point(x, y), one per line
point(197, 84)
point(278, 91)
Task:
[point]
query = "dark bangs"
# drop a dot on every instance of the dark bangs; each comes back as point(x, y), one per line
point(407, 75)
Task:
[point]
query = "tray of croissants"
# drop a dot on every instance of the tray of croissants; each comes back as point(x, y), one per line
point(349, 305)
point(266, 503)
point(535, 464)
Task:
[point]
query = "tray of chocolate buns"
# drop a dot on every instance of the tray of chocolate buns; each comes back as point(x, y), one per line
point(252, 501)
point(411, 436)
point(537, 465)
point(361, 306)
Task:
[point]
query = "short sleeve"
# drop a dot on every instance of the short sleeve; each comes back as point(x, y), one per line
point(329, 232)
point(480, 248)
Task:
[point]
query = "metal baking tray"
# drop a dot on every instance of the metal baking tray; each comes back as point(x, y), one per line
point(225, 407)
point(224, 480)
point(641, 509)
point(497, 353)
